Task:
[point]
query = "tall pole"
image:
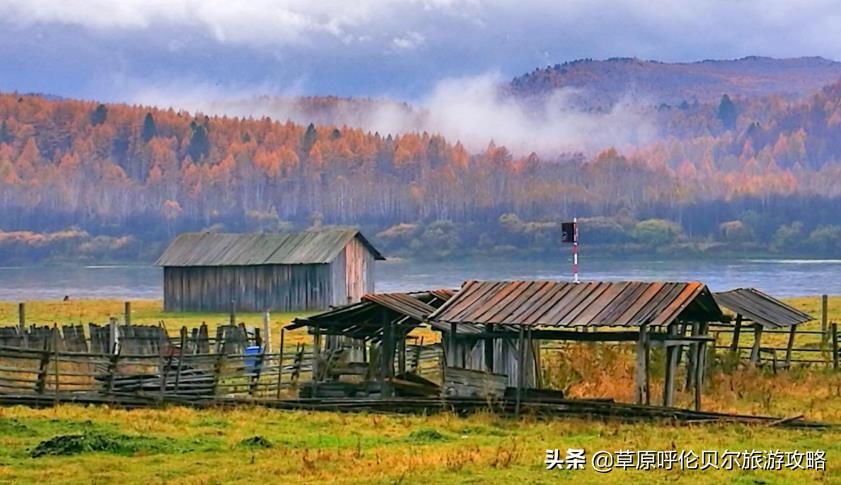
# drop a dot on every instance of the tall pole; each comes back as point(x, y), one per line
point(575, 250)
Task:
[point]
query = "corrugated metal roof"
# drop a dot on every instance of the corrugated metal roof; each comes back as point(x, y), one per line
point(761, 308)
point(559, 304)
point(215, 249)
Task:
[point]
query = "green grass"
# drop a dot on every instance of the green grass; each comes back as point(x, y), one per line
point(248, 445)
point(193, 446)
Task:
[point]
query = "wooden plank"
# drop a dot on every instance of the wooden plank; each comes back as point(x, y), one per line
point(757, 337)
point(737, 330)
point(669, 381)
point(642, 395)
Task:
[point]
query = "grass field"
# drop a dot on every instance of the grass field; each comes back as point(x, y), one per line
point(248, 445)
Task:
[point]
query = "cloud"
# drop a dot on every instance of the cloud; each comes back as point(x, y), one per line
point(409, 41)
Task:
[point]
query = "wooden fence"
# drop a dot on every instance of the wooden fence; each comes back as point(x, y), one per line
point(144, 362)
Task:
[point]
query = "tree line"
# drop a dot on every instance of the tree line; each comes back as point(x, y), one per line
point(90, 180)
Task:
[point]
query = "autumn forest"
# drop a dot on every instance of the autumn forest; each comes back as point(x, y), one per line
point(83, 180)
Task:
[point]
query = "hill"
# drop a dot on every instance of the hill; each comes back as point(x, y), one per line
point(604, 82)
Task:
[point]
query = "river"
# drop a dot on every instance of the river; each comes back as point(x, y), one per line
point(780, 277)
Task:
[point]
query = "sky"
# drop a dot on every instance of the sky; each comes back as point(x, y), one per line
point(128, 50)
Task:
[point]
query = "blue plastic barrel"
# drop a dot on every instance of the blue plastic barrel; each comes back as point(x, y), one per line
point(251, 354)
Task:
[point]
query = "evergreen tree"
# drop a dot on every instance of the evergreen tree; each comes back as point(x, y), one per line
point(727, 113)
point(99, 115)
point(5, 133)
point(149, 128)
point(309, 139)
point(199, 146)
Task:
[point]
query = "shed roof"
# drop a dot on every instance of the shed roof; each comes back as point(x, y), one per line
point(364, 319)
point(761, 308)
point(216, 249)
point(559, 304)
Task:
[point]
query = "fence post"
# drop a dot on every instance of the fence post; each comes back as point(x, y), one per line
point(112, 334)
point(834, 345)
point(180, 359)
point(280, 362)
point(233, 313)
point(43, 368)
point(55, 357)
point(267, 336)
point(127, 312)
point(824, 319)
point(22, 324)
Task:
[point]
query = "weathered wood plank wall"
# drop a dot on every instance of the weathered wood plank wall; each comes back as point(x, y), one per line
point(252, 288)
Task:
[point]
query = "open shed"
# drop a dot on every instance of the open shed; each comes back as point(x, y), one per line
point(647, 313)
point(762, 312)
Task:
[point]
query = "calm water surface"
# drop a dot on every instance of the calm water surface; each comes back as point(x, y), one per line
point(778, 277)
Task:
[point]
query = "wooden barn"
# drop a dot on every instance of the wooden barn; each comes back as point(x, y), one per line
point(256, 272)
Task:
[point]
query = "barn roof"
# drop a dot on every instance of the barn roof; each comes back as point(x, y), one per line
point(215, 249)
point(761, 308)
point(559, 304)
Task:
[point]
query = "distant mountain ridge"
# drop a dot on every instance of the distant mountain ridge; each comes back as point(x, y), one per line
point(601, 83)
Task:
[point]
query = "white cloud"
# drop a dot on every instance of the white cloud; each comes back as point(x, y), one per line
point(409, 41)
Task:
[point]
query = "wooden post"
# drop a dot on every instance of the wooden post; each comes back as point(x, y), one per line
point(401, 356)
point(734, 346)
point(127, 312)
point(54, 335)
point(757, 337)
point(824, 319)
point(112, 334)
point(280, 362)
point(835, 356)
point(182, 345)
point(699, 373)
point(691, 357)
point(43, 368)
point(386, 354)
point(520, 371)
point(316, 358)
point(790, 345)
point(642, 393)
point(22, 318)
point(453, 348)
point(233, 317)
point(267, 335)
point(671, 364)
point(489, 349)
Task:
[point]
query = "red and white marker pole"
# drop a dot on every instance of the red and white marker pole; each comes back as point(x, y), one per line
point(575, 250)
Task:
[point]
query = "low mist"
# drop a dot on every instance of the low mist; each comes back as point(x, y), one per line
point(473, 110)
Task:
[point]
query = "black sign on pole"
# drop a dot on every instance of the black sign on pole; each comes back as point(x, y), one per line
point(569, 232)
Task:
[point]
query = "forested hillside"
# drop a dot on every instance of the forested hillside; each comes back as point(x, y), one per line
point(603, 82)
point(82, 180)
